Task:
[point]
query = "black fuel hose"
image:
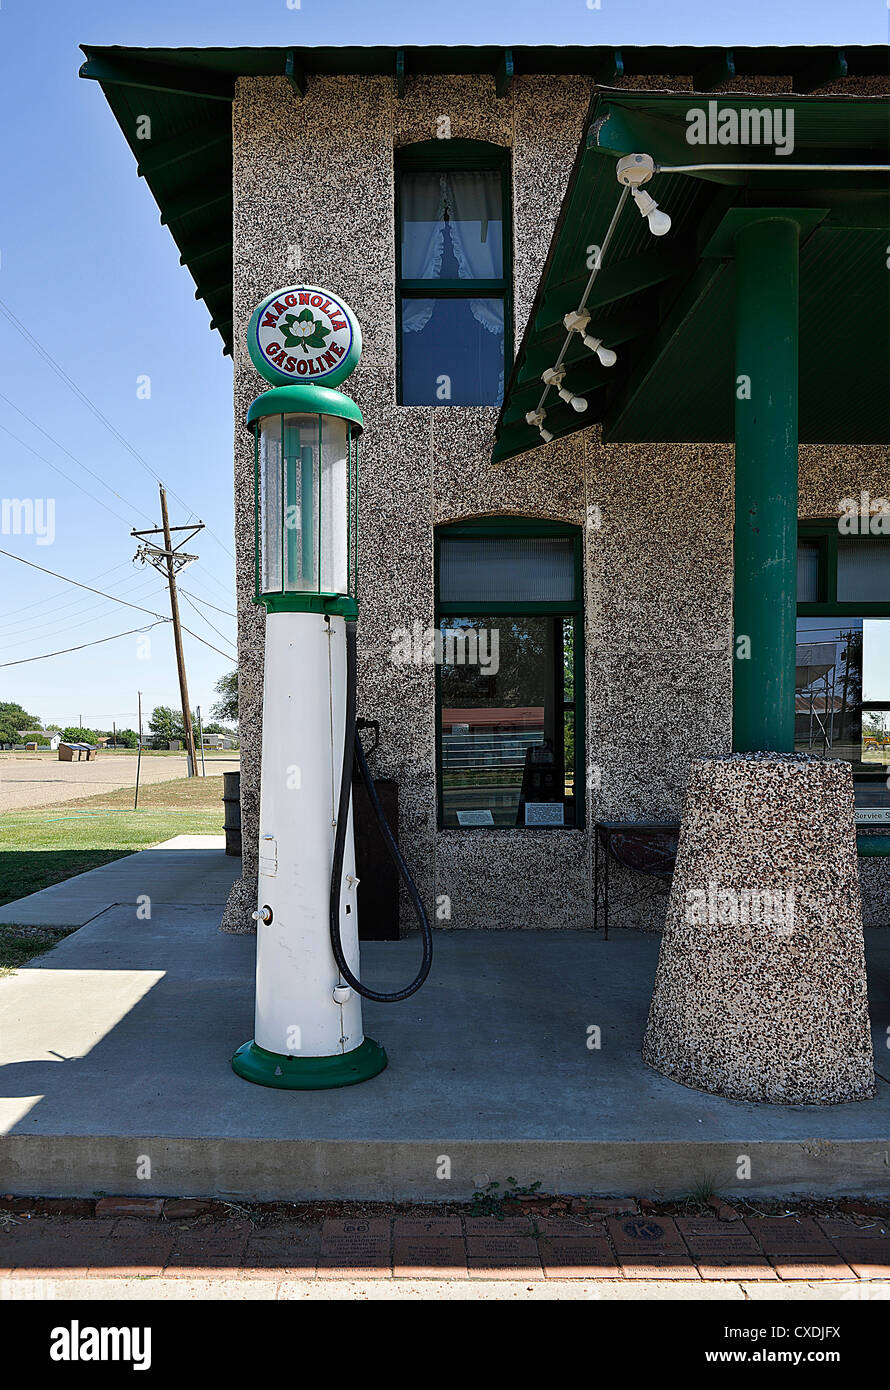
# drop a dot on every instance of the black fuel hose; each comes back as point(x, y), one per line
point(354, 752)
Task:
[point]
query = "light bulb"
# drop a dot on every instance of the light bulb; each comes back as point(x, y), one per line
point(576, 322)
point(659, 222)
point(606, 356)
point(576, 402)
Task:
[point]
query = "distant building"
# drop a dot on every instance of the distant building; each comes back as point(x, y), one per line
point(219, 741)
point(35, 738)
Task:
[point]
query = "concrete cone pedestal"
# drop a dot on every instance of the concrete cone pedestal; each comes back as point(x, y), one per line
point(760, 992)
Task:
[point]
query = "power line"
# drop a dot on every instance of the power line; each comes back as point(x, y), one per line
point(205, 620)
point(41, 634)
point(98, 642)
point(76, 607)
point(85, 399)
point(46, 434)
point(207, 604)
point(206, 574)
point(61, 471)
point(44, 636)
point(23, 608)
point(139, 609)
point(78, 585)
point(229, 656)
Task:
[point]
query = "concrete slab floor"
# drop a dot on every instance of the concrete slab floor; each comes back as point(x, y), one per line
point(165, 871)
point(115, 1047)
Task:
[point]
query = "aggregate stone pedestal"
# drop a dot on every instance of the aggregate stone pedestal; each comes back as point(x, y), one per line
point(242, 901)
point(760, 992)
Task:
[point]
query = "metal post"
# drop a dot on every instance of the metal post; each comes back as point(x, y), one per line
point(201, 737)
point(177, 639)
point(765, 561)
point(138, 754)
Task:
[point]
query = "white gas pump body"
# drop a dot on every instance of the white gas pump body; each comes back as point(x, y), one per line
point(304, 713)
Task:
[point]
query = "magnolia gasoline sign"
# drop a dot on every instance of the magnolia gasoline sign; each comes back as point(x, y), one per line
point(304, 333)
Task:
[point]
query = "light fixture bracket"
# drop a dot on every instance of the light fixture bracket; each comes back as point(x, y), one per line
point(635, 169)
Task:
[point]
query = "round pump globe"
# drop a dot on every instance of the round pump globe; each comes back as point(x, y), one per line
point(304, 334)
point(306, 449)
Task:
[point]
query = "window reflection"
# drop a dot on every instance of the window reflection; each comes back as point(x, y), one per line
point(508, 724)
point(842, 682)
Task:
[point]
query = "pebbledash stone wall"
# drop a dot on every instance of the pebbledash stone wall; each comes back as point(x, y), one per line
point(317, 174)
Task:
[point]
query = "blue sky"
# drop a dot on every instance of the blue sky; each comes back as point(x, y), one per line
point(93, 277)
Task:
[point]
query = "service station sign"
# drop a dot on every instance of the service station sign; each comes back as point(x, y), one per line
point(304, 334)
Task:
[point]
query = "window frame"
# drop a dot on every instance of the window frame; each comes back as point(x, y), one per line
point(512, 526)
point(826, 534)
point(435, 156)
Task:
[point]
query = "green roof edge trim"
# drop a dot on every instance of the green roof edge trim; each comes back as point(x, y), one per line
point(189, 91)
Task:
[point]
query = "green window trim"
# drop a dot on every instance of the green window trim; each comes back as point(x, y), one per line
point(826, 535)
point(432, 156)
point(573, 608)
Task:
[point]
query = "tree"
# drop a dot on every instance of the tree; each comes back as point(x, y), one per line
point(218, 729)
point(73, 734)
point(127, 737)
point(13, 718)
point(226, 706)
point(165, 725)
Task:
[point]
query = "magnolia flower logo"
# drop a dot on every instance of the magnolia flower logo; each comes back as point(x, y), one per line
point(303, 330)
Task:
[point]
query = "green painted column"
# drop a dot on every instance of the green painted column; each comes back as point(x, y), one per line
point(765, 562)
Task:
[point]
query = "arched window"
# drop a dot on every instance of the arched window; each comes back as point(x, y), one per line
point(453, 272)
point(510, 674)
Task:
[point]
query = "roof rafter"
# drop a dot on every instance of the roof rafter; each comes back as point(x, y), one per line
point(160, 77)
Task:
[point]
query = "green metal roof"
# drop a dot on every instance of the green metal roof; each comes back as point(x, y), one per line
point(187, 94)
point(666, 304)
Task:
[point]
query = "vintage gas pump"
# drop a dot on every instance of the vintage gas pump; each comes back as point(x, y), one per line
point(308, 1024)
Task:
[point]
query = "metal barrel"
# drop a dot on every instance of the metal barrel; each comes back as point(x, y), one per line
point(232, 818)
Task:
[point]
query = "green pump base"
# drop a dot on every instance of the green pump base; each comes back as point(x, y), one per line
point(255, 1064)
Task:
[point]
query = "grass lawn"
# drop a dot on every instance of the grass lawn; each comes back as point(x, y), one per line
point(51, 843)
point(21, 944)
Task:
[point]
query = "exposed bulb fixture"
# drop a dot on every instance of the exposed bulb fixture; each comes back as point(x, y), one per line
point(553, 377)
point(633, 170)
point(536, 419)
point(576, 322)
point(659, 222)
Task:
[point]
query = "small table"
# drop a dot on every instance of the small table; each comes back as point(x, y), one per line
point(605, 831)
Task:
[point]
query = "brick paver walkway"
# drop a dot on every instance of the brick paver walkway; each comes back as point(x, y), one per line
point(178, 1239)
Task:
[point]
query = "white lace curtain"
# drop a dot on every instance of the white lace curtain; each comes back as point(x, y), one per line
point(465, 204)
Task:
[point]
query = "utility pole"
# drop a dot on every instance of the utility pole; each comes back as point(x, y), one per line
point(201, 737)
point(169, 562)
point(138, 754)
